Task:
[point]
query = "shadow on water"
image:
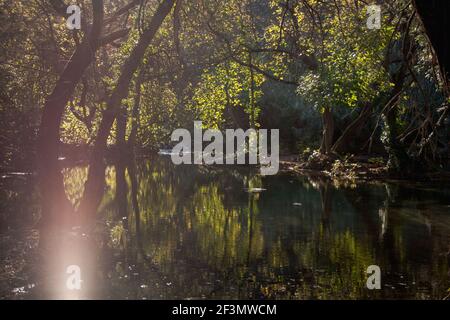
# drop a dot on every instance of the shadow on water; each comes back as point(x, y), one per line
point(196, 232)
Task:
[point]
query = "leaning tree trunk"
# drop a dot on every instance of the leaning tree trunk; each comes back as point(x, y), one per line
point(55, 206)
point(94, 186)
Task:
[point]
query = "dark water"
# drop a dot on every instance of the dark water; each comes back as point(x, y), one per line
point(206, 233)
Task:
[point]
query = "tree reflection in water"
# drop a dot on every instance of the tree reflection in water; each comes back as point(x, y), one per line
point(196, 232)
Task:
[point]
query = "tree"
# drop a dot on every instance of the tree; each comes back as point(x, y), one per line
point(434, 16)
point(51, 184)
point(96, 179)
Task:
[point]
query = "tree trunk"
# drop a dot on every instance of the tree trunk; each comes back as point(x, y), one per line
point(55, 206)
point(328, 131)
point(135, 112)
point(94, 186)
point(434, 15)
point(398, 158)
point(352, 130)
point(121, 154)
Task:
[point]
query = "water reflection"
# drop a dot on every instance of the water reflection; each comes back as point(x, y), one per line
point(196, 232)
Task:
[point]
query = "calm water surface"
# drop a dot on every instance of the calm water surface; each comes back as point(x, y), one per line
point(230, 233)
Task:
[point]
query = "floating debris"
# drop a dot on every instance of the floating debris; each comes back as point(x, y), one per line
point(23, 290)
point(255, 190)
point(20, 290)
point(169, 152)
point(16, 175)
point(165, 152)
point(19, 173)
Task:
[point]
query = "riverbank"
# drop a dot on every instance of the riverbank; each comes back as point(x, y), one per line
point(348, 168)
point(358, 169)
